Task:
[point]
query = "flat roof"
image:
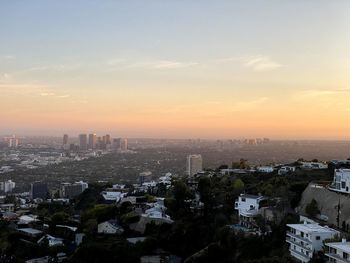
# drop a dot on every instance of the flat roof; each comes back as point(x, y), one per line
point(312, 228)
point(31, 231)
point(252, 196)
point(343, 246)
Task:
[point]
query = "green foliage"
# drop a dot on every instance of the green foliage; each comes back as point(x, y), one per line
point(100, 213)
point(238, 185)
point(59, 218)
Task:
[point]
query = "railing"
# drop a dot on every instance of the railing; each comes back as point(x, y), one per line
point(299, 237)
point(337, 257)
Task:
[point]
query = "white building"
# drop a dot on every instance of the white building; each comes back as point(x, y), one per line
point(194, 164)
point(286, 170)
point(83, 185)
point(248, 208)
point(12, 142)
point(109, 227)
point(112, 196)
point(338, 252)
point(307, 238)
point(264, 169)
point(52, 241)
point(313, 165)
point(7, 186)
point(341, 181)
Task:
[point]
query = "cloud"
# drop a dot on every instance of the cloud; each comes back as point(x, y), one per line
point(45, 94)
point(261, 63)
point(249, 104)
point(63, 96)
point(117, 64)
point(319, 93)
point(7, 57)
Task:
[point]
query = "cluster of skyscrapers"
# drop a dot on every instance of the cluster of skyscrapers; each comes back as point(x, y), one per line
point(92, 142)
point(12, 142)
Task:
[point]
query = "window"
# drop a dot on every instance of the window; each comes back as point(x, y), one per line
point(318, 237)
point(342, 184)
point(345, 255)
point(243, 199)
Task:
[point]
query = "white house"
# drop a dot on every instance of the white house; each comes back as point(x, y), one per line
point(109, 227)
point(52, 241)
point(338, 252)
point(313, 165)
point(248, 208)
point(286, 169)
point(112, 196)
point(264, 169)
point(306, 238)
point(341, 181)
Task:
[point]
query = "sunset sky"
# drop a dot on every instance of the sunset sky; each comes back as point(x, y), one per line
point(176, 69)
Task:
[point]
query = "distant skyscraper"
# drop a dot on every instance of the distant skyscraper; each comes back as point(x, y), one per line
point(92, 141)
point(117, 143)
point(65, 139)
point(12, 142)
point(83, 141)
point(194, 164)
point(108, 139)
point(8, 186)
point(124, 144)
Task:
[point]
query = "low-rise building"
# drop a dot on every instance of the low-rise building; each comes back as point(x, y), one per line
point(286, 170)
point(265, 169)
point(341, 181)
point(338, 252)
point(109, 227)
point(305, 238)
point(51, 241)
point(248, 207)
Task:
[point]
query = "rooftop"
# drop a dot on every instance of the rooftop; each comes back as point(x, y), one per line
point(343, 246)
point(312, 228)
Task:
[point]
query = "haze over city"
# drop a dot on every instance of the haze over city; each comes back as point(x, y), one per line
point(175, 69)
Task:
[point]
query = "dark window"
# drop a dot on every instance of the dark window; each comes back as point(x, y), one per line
point(318, 237)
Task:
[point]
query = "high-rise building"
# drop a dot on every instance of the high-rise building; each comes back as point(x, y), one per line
point(117, 143)
point(108, 139)
point(65, 139)
point(9, 185)
point(92, 141)
point(12, 142)
point(38, 190)
point(83, 142)
point(194, 164)
point(124, 144)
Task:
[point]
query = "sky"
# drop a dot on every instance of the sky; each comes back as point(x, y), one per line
point(176, 69)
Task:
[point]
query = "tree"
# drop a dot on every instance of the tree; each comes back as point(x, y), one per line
point(238, 185)
point(312, 209)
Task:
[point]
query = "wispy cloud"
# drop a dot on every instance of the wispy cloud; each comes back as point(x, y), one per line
point(249, 104)
point(7, 57)
point(117, 64)
point(261, 63)
point(319, 93)
point(33, 90)
point(256, 63)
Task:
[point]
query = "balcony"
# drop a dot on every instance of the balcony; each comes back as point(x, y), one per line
point(304, 246)
point(299, 237)
point(337, 257)
point(299, 255)
point(249, 212)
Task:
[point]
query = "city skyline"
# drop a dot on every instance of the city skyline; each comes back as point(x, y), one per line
point(231, 69)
